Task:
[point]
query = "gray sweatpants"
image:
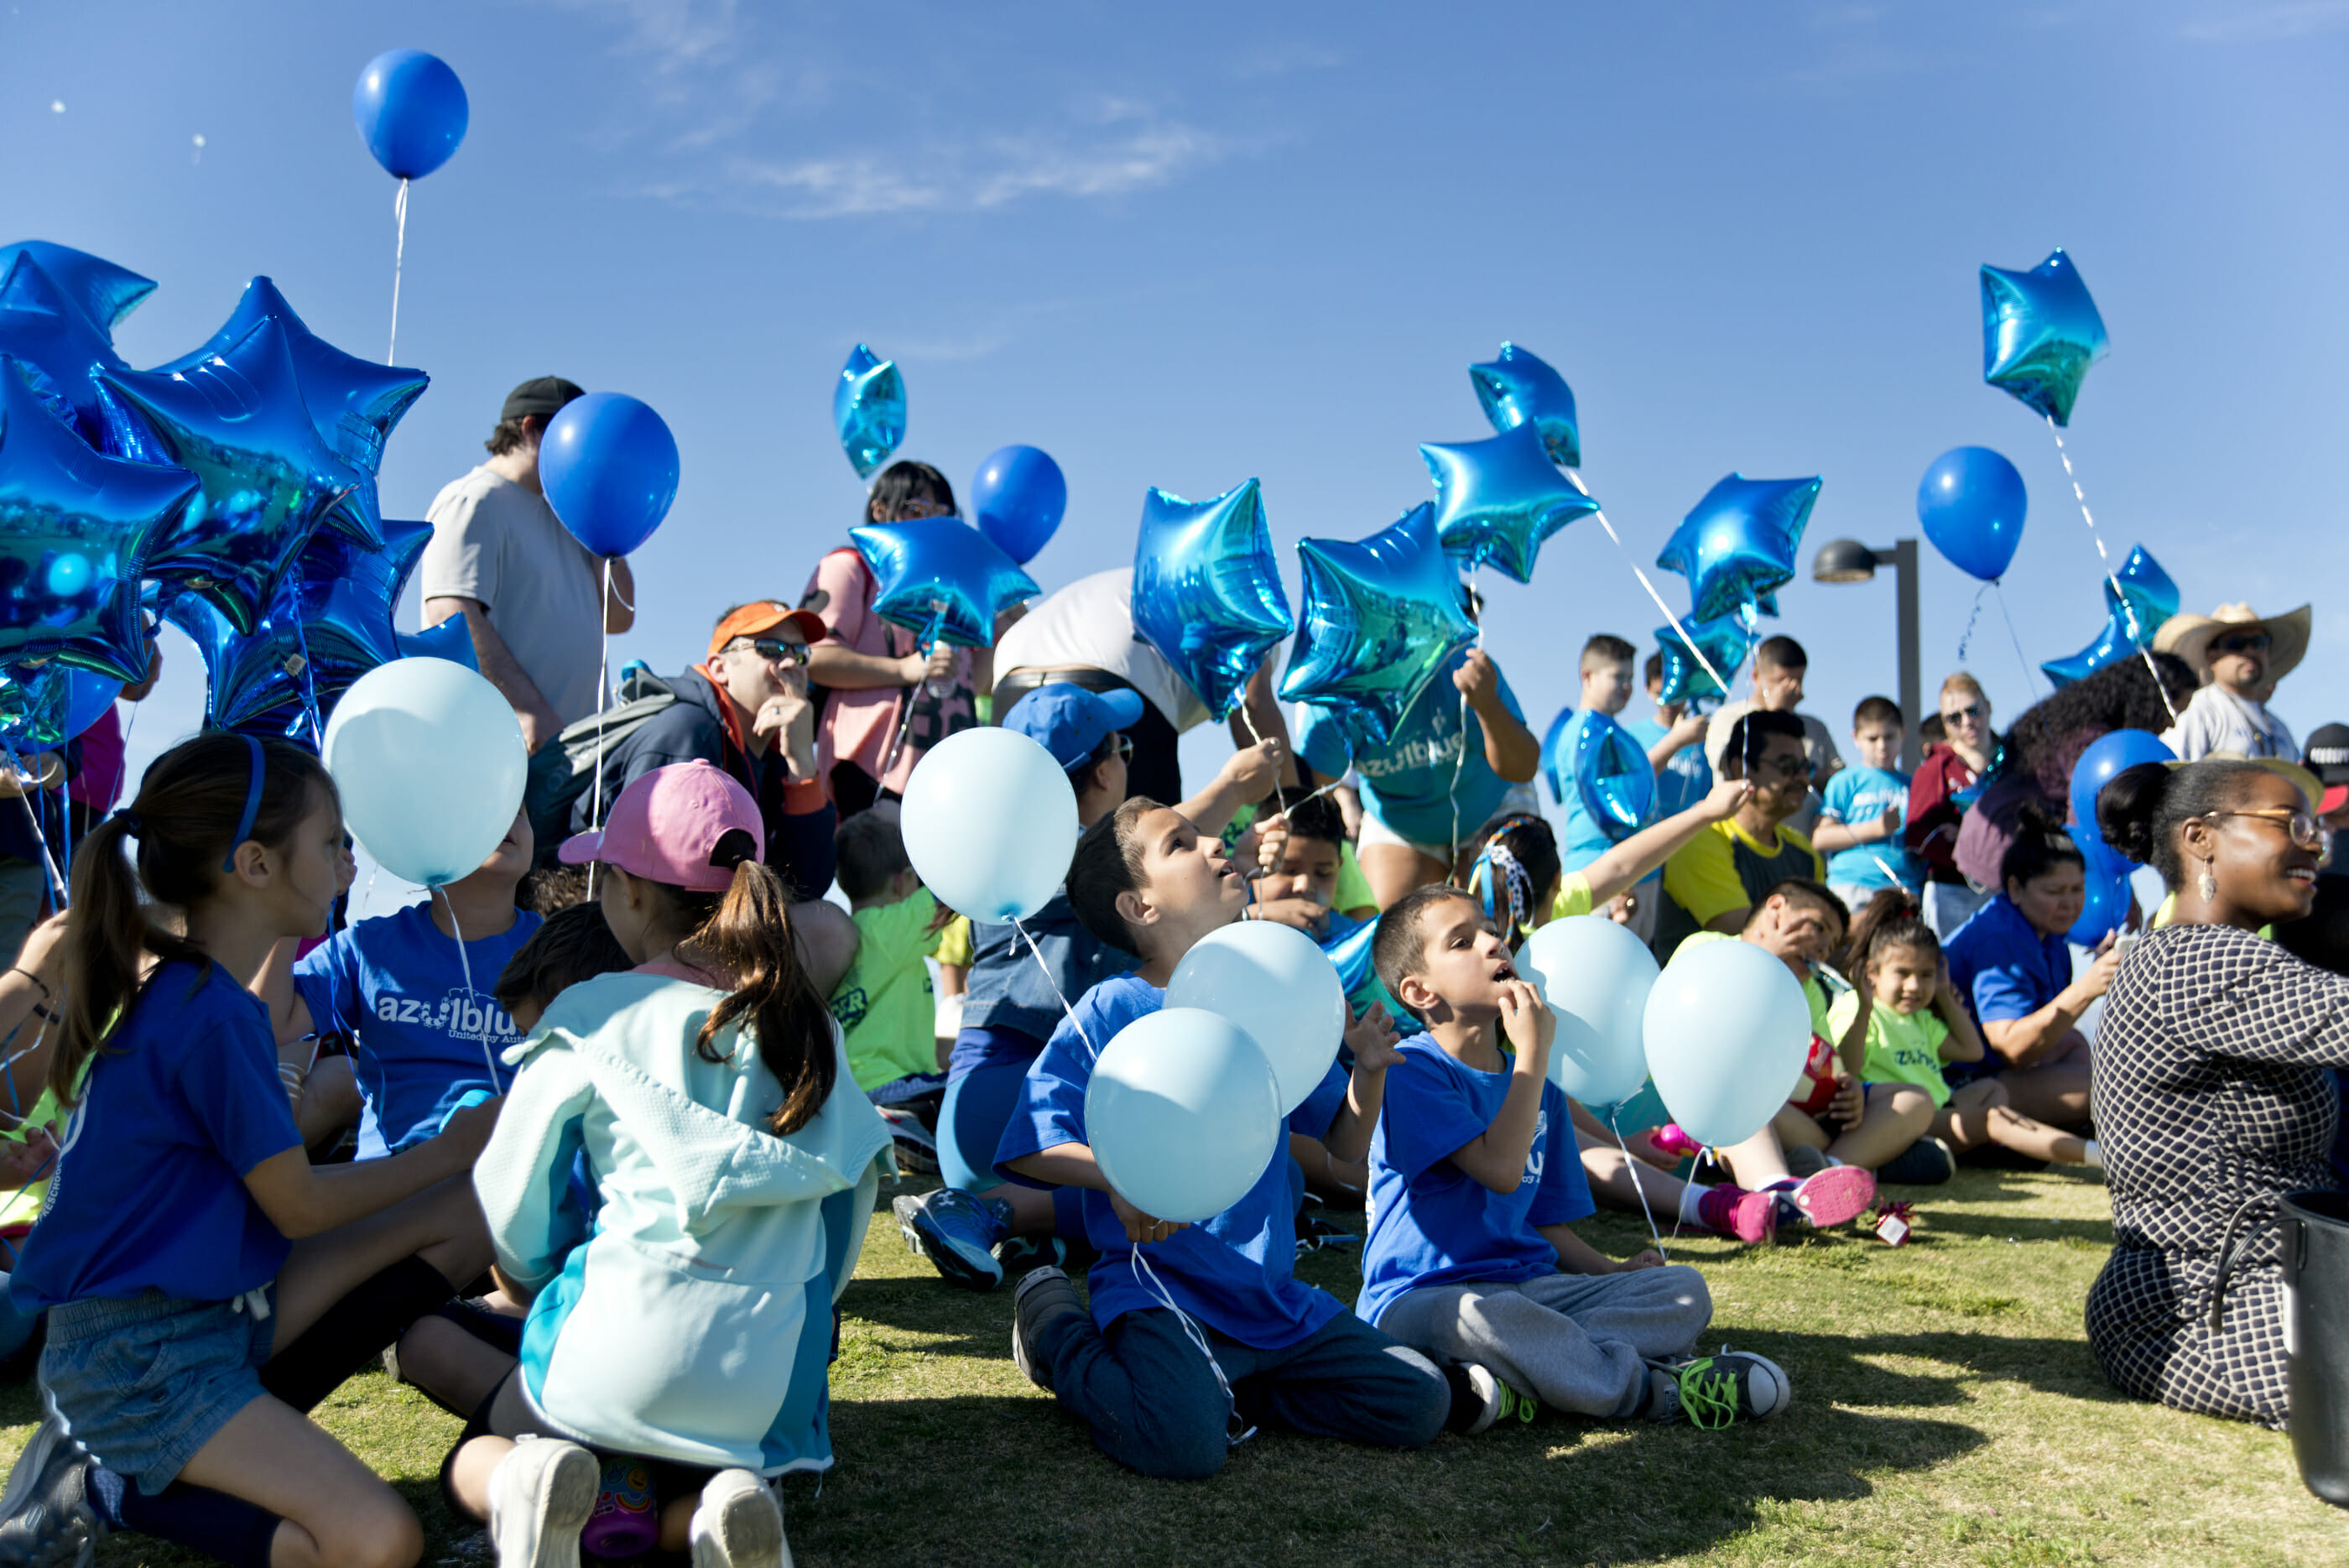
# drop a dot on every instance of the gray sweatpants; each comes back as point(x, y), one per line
point(1580, 1342)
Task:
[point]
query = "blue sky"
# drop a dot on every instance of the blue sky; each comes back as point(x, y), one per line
point(1182, 246)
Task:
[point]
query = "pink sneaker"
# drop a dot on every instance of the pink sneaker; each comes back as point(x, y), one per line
point(1751, 1216)
point(1835, 1196)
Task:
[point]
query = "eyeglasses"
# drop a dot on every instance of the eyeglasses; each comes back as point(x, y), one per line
point(2307, 832)
point(1972, 713)
point(776, 651)
point(918, 507)
point(1784, 767)
point(2242, 642)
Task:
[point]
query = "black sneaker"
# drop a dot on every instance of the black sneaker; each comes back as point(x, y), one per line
point(1315, 1233)
point(1041, 1295)
point(50, 1520)
point(1928, 1162)
point(1715, 1391)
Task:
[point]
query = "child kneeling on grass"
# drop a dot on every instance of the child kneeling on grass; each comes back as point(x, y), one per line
point(1475, 1185)
point(687, 1321)
point(1145, 880)
point(206, 1286)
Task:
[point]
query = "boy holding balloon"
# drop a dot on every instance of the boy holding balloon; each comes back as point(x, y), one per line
point(1198, 1330)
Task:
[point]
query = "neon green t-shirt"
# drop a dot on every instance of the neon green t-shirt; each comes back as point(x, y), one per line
point(1902, 1047)
point(1573, 897)
point(1353, 894)
point(887, 1014)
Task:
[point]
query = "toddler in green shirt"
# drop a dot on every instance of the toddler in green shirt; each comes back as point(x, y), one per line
point(884, 1004)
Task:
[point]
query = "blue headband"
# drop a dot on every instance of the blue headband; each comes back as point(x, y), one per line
point(252, 803)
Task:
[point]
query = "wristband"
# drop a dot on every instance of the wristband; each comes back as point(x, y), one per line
point(46, 994)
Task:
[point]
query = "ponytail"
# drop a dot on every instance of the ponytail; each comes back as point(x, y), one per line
point(2141, 810)
point(748, 935)
point(1889, 920)
point(2039, 845)
point(196, 803)
point(1517, 874)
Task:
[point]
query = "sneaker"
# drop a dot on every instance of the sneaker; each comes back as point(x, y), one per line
point(1806, 1161)
point(1041, 1295)
point(1715, 1391)
point(739, 1524)
point(49, 1520)
point(1500, 1402)
point(1018, 1254)
point(957, 1232)
point(1835, 1196)
point(540, 1497)
point(1319, 1233)
point(1751, 1216)
point(1928, 1162)
point(917, 1149)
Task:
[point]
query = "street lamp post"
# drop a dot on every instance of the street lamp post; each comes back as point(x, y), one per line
point(1849, 561)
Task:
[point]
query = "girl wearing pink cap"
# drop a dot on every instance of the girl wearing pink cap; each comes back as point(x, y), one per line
point(682, 1309)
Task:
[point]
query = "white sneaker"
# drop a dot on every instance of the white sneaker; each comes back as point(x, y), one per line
point(739, 1524)
point(540, 1497)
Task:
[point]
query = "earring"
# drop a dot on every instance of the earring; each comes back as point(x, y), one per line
point(2207, 885)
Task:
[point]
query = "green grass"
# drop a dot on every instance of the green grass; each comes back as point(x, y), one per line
point(1946, 1411)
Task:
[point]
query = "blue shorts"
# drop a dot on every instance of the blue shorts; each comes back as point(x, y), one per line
point(144, 1383)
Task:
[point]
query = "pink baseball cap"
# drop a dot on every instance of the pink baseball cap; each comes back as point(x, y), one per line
point(687, 825)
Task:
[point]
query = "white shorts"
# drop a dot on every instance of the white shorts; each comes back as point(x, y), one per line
point(1521, 801)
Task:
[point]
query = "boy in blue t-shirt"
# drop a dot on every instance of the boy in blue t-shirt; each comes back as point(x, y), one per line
point(1606, 689)
point(1476, 1184)
point(1864, 811)
point(1145, 880)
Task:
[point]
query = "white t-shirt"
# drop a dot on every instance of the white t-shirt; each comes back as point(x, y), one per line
point(2218, 720)
point(1090, 624)
point(499, 544)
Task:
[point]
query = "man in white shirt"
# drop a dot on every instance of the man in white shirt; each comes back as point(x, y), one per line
point(531, 595)
point(2241, 656)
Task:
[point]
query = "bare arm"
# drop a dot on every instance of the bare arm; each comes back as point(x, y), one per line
point(1247, 777)
point(620, 598)
point(289, 1015)
point(1686, 731)
point(845, 669)
point(1495, 1157)
point(1624, 863)
point(500, 668)
point(36, 981)
point(1964, 1043)
point(1262, 709)
point(1372, 1038)
point(1834, 834)
point(1577, 1256)
point(2023, 1041)
point(303, 1199)
point(1072, 1165)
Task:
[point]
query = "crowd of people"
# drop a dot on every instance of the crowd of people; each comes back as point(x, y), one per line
point(594, 1173)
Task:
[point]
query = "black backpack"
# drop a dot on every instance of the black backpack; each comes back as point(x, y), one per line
point(554, 791)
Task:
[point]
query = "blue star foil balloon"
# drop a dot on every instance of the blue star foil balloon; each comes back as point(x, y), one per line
point(2113, 643)
point(450, 639)
point(1381, 617)
point(353, 402)
point(105, 293)
point(75, 530)
point(63, 349)
point(1737, 548)
point(940, 577)
point(2144, 598)
point(868, 408)
point(2040, 334)
point(1612, 776)
point(42, 709)
point(329, 624)
point(239, 424)
point(1517, 388)
point(1553, 765)
point(1725, 642)
point(1206, 590)
point(1497, 499)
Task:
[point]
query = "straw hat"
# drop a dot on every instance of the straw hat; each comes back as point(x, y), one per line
point(2188, 636)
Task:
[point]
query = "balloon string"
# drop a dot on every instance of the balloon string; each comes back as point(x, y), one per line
point(1058, 995)
point(25, 799)
point(1459, 759)
point(604, 699)
point(302, 641)
point(399, 254)
point(465, 963)
point(2030, 674)
point(1966, 637)
point(1694, 652)
point(1147, 1277)
point(2105, 555)
point(1615, 1120)
point(922, 645)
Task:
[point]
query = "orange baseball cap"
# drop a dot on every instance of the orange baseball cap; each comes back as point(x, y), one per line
point(765, 615)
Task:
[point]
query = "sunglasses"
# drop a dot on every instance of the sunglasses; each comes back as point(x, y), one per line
point(1972, 713)
point(775, 651)
point(1784, 767)
point(2242, 642)
point(2306, 831)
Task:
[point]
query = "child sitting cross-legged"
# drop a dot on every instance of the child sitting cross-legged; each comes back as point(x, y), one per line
point(884, 1004)
point(1475, 1185)
point(1145, 880)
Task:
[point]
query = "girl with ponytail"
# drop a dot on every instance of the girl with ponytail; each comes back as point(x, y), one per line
point(732, 1166)
point(2213, 1098)
point(205, 1286)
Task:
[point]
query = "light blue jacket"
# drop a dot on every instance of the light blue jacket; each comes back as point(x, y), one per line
point(695, 1322)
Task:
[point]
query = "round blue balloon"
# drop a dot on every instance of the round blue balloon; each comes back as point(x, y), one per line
point(609, 467)
point(2104, 761)
point(410, 110)
point(1019, 499)
point(1971, 503)
point(2108, 904)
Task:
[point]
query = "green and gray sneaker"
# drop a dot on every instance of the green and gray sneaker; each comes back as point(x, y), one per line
point(1715, 1391)
point(1498, 1401)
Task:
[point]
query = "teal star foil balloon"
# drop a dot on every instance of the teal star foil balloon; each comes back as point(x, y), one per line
point(1738, 546)
point(2040, 334)
point(1206, 590)
point(1612, 776)
point(1518, 387)
point(64, 352)
point(1724, 642)
point(940, 577)
point(75, 530)
point(105, 293)
point(2144, 597)
point(1553, 763)
point(868, 408)
point(1382, 616)
point(1497, 499)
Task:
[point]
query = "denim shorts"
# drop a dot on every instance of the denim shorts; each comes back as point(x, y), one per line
point(144, 1382)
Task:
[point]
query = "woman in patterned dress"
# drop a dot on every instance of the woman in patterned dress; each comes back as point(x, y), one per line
point(2210, 1091)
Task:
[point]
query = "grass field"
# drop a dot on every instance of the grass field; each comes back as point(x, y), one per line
point(1946, 1411)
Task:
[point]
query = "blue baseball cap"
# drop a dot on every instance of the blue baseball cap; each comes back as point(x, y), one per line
point(1069, 721)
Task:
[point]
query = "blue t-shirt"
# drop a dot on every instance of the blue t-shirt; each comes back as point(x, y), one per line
point(1432, 1223)
point(397, 985)
point(2003, 967)
point(1234, 1273)
point(1407, 782)
point(180, 1105)
point(1857, 797)
point(1680, 783)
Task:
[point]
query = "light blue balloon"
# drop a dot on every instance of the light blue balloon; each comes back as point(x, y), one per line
point(430, 764)
point(1596, 977)
point(2040, 334)
point(1277, 984)
point(1727, 1033)
point(989, 822)
point(1183, 1113)
point(868, 408)
point(1206, 590)
point(1612, 776)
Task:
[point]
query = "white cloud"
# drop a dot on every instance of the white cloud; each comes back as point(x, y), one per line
point(2246, 24)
